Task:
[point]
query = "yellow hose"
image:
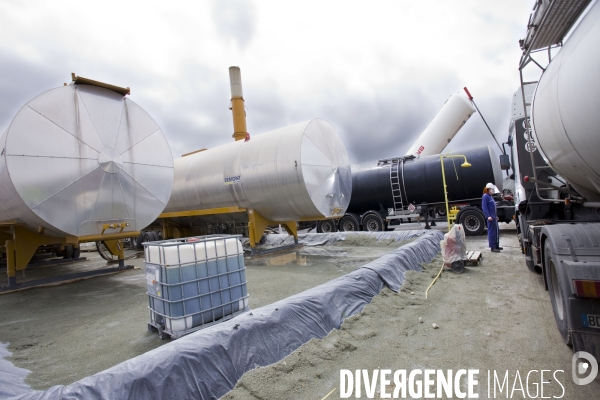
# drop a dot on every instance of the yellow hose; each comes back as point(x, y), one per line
point(328, 394)
point(431, 284)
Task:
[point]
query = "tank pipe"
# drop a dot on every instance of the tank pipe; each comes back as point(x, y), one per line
point(529, 129)
point(404, 184)
point(481, 115)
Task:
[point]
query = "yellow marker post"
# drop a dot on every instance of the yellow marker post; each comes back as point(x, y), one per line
point(464, 165)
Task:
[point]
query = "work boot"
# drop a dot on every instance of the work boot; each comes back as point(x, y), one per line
point(495, 250)
point(500, 248)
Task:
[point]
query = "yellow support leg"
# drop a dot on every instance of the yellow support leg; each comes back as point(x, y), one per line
point(115, 247)
point(21, 248)
point(257, 225)
point(26, 244)
point(11, 263)
point(292, 228)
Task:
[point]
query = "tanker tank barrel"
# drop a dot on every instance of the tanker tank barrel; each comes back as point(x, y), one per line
point(297, 172)
point(421, 181)
point(564, 112)
point(80, 156)
point(443, 127)
point(80, 163)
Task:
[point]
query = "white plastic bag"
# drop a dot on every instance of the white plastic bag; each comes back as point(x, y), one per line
point(454, 246)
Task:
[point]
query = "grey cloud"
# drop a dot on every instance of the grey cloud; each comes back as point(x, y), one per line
point(496, 111)
point(196, 114)
point(385, 124)
point(235, 19)
point(21, 81)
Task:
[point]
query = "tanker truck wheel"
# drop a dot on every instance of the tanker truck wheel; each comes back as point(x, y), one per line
point(68, 252)
point(472, 220)
point(326, 226)
point(136, 242)
point(103, 251)
point(349, 223)
point(373, 223)
point(149, 237)
point(71, 252)
point(557, 297)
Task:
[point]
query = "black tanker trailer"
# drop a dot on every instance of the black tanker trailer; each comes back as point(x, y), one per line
point(402, 189)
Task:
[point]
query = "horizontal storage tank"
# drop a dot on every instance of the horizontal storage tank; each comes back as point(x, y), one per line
point(421, 181)
point(446, 124)
point(565, 115)
point(301, 171)
point(80, 156)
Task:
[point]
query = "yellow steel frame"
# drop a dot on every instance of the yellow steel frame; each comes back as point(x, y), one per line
point(208, 211)
point(452, 215)
point(256, 222)
point(175, 231)
point(22, 243)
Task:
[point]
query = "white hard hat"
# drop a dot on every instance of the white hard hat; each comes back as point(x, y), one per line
point(490, 186)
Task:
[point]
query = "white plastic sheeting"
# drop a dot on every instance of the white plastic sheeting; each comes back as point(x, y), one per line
point(319, 239)
point(454, 246)
point(11, 378)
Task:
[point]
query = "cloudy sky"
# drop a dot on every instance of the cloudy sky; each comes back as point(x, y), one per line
point(378, 71)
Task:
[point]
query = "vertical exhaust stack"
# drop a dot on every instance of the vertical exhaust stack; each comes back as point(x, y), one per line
point(237, 104)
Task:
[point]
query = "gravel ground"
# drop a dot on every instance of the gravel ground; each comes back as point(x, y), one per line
point(494, 317)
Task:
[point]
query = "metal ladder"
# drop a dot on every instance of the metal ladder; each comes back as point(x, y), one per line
point(395, 182)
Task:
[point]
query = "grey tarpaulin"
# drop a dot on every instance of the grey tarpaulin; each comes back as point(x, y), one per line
point(207, 364)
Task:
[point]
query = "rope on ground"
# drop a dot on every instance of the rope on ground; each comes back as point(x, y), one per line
point(438, 275)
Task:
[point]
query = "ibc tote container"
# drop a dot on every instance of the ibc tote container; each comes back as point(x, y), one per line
point(194, 282)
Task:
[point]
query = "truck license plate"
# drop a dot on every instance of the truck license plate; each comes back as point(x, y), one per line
point(590, 320)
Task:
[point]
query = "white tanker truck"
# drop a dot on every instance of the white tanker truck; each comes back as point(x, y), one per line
point(555, 139)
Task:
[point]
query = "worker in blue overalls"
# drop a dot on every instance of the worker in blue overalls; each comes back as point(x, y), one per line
point(489, 210)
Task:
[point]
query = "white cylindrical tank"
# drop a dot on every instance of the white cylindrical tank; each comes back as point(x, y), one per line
point(80, 156)
point(444, 126)
point(301, 171)
point(566, 108)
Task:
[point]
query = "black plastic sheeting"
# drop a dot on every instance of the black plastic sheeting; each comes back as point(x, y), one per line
point(207, 364)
